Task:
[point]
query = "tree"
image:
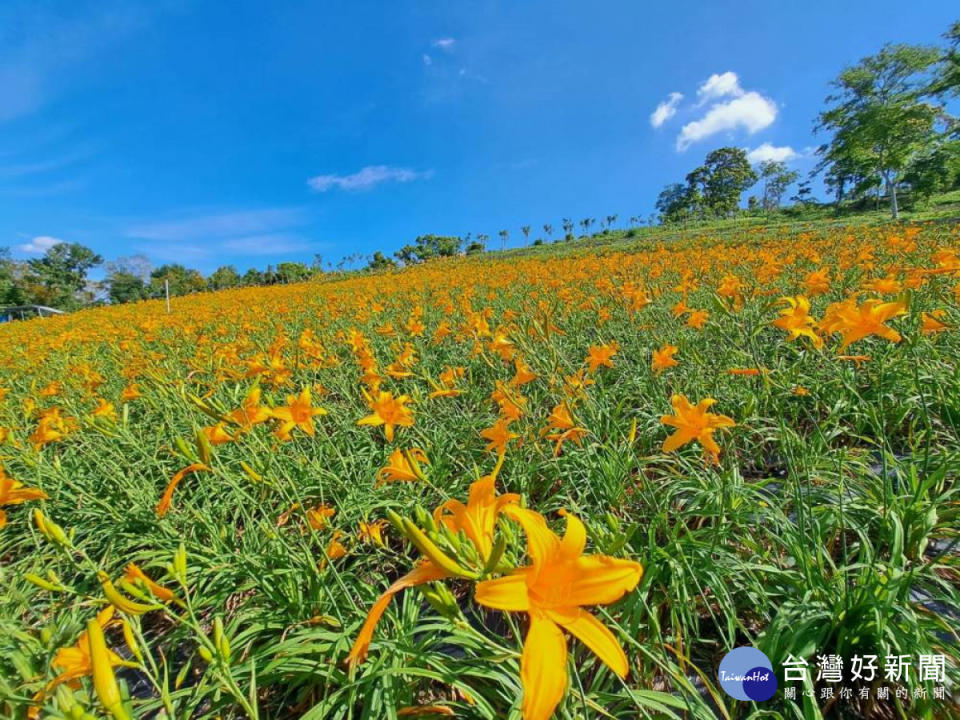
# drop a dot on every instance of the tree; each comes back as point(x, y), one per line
point(126, 279)
point(877, 117)
point(568, 229)
point(776, 179)
point(12, 291)
point(224, 277)
point(727, 173)
point(292, 272)
point(182, 280)
point(548, 229)
point(674, 203)
point(933, 170)
point(379, 261)
point(427, 247)
point(252, 277)
point(525, 229)
point(59, 278)
point(947, 80)
point(504, 236)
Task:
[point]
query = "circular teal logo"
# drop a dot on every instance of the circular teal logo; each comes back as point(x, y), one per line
point(747, 674)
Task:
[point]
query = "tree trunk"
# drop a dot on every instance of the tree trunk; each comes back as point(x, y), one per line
point(894, 208)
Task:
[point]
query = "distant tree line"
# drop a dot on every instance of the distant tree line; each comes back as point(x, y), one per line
point(60, 278)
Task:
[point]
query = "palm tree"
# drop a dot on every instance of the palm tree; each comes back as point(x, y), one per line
point(504, 234)
point(525, 229)
point(548, 229)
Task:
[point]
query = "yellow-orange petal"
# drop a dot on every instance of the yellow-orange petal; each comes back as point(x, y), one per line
point(595, 635)
point(543, 668)
point(505, 593)
point(601, 580)
point(423, 573)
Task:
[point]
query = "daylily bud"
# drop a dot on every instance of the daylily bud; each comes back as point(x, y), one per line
point(50, 530)
point(441, 600)
point(180, 564)
point(429, 549)
point(220, 640)
point(104, 681)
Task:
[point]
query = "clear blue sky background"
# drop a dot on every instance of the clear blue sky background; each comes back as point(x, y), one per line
point(238, 132)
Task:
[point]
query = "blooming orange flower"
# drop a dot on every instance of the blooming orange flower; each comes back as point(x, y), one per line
point(663, 358)
point(217, 434)
point(523, 375)
point(13, 492)
point(797, 321)
point(133, 574)
point(75, 662)
point(318, 517)
point(694, 423)
point(130, 392)
point(603, 355)
point(402, 466)
point(298, 412)
point(251, 412)
point(498, 435)
point(390, 412)
point(817, 283)
point(697, 319)
point(855, 322)
point(930, 322)
point(562, 421)
point(448, 382)
point(553, 590)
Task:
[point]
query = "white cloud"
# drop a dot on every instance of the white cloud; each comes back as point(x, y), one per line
point(427, 60)
point(446, 43)
point(766, 151)
point(39, 244)
point(720, 85)
point(750, 111)
point(366, 178)
point(665, 110)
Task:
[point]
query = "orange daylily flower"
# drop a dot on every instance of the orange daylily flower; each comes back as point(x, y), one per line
point(553, 590)
point(930, 323)
point(797, 321)
point(561, 420)
point(663, 358)
point(13, 492)
point(697, 319)
point(217, 434)
point(251, 412)
point(498, 435)
point(298, 412)
point(598, 355)
point(130, 392)
point(75, 662)
point(523, 373)
point(317, 517)
point(390, 412)
point(856, 322)
point(133, 574)
point(402, 466)
point(694, 423)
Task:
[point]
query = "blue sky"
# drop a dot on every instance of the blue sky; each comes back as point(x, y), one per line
point(250, 133)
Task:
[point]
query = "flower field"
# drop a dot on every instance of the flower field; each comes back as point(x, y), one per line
point(555, 484)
